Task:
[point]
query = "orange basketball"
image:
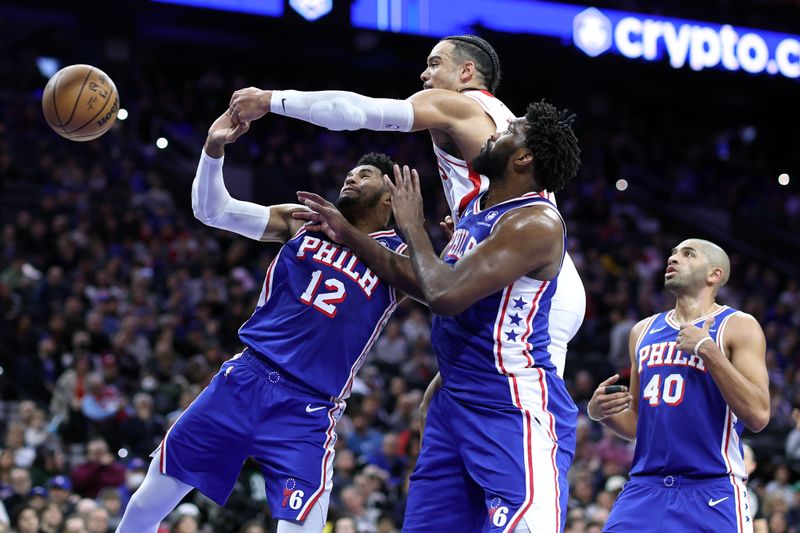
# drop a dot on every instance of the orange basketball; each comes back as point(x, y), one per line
point(80, 102)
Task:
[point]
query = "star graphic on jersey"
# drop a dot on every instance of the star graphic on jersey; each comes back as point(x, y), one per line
point(519, 303)
point(515, 319)
point(512, 335)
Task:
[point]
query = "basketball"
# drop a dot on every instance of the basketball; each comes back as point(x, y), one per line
point(80, 102)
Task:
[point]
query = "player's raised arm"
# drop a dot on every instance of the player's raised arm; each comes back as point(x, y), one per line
point(214, 206)
point(525, 241)
point(741, 376)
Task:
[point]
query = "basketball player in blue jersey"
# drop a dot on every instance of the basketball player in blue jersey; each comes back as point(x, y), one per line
point(500, 434)
point(458, 107)
point(698, 377)
point(278, 401)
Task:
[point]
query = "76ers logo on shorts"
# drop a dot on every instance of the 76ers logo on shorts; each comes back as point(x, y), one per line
point(292, 497)
point(498, 513)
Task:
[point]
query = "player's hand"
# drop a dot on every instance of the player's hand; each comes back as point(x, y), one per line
point(323, 217)
point(608, 399)
point(249, 104)
point(406, 197)
point(225, 130)
point(448, 227)
point(689, 335)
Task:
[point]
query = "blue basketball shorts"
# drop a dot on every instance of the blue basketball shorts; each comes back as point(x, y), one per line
point(251, 410)
point(487, 468)
point(650, 504)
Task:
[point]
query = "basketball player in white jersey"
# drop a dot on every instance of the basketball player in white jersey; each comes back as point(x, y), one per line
point(458, 108)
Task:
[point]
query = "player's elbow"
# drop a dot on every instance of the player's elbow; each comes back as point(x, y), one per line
point(445, 305)
point(759, 420)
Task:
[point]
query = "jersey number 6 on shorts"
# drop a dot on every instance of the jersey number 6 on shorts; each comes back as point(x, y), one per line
point(324, 302)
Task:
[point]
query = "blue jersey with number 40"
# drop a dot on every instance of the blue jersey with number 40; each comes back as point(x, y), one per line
point(320, 311)
point(684, 426)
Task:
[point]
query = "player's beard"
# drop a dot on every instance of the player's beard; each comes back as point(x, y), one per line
point(684, 282)
point(354, 207)
point(490, 163)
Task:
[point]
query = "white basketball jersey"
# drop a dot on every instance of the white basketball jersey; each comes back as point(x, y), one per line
point(462, 184)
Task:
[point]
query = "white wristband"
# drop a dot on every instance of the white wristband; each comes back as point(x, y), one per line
point(700, 343)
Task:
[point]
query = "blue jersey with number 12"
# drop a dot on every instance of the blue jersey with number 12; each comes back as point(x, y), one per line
point(320, 311)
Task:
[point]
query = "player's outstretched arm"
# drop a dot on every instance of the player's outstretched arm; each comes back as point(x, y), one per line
point(524, 241)
point(344, 110)
point(392, 267)
point(742, 379)
point(616, 406)
point(214, 206)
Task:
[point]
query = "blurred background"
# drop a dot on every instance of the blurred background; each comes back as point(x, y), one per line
point(117, 306)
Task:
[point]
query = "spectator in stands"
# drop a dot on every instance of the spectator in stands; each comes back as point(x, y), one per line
point(99, 471)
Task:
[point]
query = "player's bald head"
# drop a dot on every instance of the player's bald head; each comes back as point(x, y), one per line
point(715, 255)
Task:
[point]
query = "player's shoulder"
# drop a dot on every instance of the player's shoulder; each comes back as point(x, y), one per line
point(742, 320)
point(532, 215)
point(389, 238)
point(640, 326)
point(446, 98)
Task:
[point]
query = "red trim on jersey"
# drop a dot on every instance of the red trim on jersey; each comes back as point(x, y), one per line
point(321, 489)
point(441, 153)
point(531, 484)
point(475, 178)
point(738, 503)
point(555, 446)
point(163, 454)
point(268, 277)
point(499, 332)
point(529, 322)
point(442, 171)
point(383, 233)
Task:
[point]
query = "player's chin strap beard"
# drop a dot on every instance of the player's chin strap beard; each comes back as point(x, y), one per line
point(465, 89)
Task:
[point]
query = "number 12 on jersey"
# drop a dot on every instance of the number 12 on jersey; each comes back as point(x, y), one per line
point(671, 392)
point(323, 302)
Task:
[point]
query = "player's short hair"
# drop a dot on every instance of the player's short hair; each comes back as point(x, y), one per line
point(482, 53)
point(556, 154)
point(717, 258)
point(381, 161)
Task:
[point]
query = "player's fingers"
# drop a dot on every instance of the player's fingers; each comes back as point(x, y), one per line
point(398, 175)
point(312, 197)
point(314, 206)
point(617, 396)
point(390, 185)
point(617, 404)
point(305, 215)
point(609, 381)
point(708, 323)
point(415, 179)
